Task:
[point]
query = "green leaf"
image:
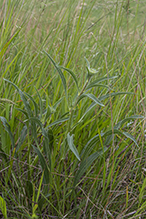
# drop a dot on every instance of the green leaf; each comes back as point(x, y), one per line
point(113, 95)
point(86, 163)
point(59, 71)
point(88, 109)
point(43, 163)
point(92, 142)
point(72, 74)
point(96, 82)
point(119, 124)
point(102, 98)
point(22, 111)
point(116, 131)
point(47, 142)
point(128, 135)
point(92, 97)
point(26, 104)
point(90, 145)
point(88, 64)
point(35, 120)
point(58, 122)
point(102, 79)
point(3, 207)
point(34, 103)
point(72, 146)
point(91, 71)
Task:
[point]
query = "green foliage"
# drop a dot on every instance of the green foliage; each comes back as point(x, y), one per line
point(72, 129)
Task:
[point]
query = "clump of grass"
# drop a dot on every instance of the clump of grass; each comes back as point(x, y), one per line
point(72, 141)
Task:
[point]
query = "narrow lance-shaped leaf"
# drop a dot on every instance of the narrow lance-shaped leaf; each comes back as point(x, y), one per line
point(113, 95)
point(89, 146)
point(35, 120)
point(85, 164)
point(102, 98)
point(72, 74)
point(116, 131)
point(92, 97)
point(58, 122)
point(97, 81)
point(23, 111)
point(102, 79)
point(92, 142)
point(72, 146)
point(88, 64)
point(34, 103)
point(88, 161)
point(89, 108)
point(119, 124)
point(26, 104)
point(128, 135)
point(91, 71)
point(59, 71)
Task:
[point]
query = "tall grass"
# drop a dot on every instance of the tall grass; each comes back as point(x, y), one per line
point(72, 109)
